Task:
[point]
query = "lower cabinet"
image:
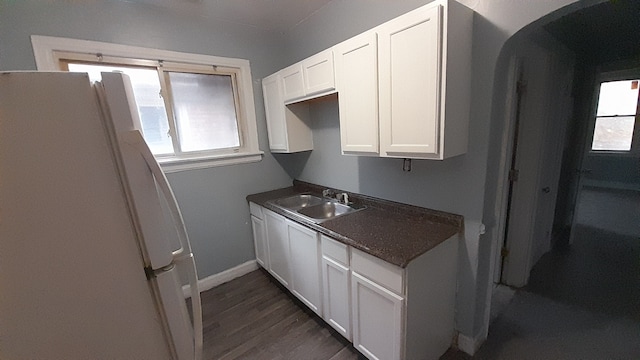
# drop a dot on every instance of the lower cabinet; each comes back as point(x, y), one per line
point(259, 235)
point(278, 243)
point(305, 266)
point(336, 285)
point(378, 306)
point(377, 319)
point(388, 312)
point(260, 242)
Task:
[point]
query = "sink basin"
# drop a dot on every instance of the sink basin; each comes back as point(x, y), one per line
point(314, 208)
point(326, 210)
point(297, 202)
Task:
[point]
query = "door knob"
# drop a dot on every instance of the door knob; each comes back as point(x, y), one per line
point(546, 189)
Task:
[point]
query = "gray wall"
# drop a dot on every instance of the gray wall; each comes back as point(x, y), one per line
point(212, 200)
point(612, 170)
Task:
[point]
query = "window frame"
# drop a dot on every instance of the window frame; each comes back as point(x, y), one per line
point(621, 75)
point(49, 51)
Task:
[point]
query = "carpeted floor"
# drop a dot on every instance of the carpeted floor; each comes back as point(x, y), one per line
point(600, 271)
point(536, 328)
point(583, 300)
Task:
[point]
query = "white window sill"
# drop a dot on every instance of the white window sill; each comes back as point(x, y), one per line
point(175, 164)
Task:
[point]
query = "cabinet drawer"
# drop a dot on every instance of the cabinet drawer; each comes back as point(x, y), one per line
point(256, 210)
point(336, 251)
point(380, 271)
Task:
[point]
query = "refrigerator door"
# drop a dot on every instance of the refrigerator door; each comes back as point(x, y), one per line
point(72, 279)
point(147, 188)
point(121, 117)
point(183, 257)
point(167, 283)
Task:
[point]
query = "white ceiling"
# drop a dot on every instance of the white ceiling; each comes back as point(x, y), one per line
point(273, 15)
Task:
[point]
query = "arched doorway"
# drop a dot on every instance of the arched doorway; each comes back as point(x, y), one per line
point(513, 53)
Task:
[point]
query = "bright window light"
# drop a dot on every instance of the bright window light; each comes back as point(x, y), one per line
point(615, 116)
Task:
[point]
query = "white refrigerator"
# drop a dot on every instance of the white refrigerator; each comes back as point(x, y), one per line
point(88, 267)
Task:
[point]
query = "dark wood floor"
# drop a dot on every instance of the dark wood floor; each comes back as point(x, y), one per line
point(253, 318)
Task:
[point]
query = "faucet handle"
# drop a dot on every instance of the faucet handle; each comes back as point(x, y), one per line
point(326, 192)
point(343, 197)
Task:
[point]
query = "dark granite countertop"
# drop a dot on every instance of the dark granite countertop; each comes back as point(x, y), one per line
point(394, 232)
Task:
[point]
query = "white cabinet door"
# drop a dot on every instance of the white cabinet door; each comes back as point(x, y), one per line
point(318, 73)
point(410, 63)
point(278, 245)
point(377, 319)
point(259, 240)
point(292, 82)
point(275, 112)
point(287, 126)
point(357, 82)
point(337, 307)
point(305, 266)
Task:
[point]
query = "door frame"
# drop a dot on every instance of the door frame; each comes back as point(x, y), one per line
point(508, 133)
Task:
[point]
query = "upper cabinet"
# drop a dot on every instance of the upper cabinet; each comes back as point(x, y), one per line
point(292, 82)
point(318, 74)
point(287, 126)
point(409, 86)
point(403, 86)
point(421, 97)
point(356, 63)
point(311, 77)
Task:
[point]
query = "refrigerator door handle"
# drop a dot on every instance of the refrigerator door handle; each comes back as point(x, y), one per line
point(183, 254)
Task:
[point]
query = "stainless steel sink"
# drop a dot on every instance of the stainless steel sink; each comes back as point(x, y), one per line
point(297, 202)
point(314, 208)
point(326, 210)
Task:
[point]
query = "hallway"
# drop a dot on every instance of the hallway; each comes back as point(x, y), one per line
point(600, 271)
point(583, 300)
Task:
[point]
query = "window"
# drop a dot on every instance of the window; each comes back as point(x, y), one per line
point(196, 111)
point(616, 116)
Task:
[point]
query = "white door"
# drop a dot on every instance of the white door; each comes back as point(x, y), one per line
point(278, 244)
point(292, 82)
point(259, 239)
point(305, 266)
point(357, 82)
point(337, 306)
point(542, 121)
point(410, 61)
point(153, 205)
point(274, 112)
point(377, 319)
point(559, 113)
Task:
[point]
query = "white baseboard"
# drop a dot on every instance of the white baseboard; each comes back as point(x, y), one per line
point(220, 278)
point(468, 344)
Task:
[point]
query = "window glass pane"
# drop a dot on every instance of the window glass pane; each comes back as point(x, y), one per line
point(613, 133)
point(146, 90)
point(618, 98)
point(205, 111)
